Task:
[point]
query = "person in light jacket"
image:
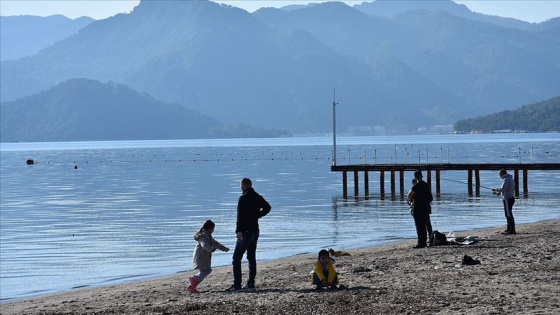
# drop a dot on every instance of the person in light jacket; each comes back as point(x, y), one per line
point(202, 258)
point(508, 198)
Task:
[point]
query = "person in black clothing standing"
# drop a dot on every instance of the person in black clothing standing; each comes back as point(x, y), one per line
point(250, 208)
point(421, 195)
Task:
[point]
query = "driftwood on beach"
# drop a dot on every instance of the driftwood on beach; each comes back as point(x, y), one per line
point(517, 274)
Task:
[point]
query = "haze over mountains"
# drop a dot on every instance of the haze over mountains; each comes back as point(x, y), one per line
point(22, 36)
point(398, 65)
point(75, 110)
point(88, 110)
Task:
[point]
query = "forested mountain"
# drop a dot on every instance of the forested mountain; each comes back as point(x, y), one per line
point(23, 36)
point(83, 109)
point(277, 68)
point(539, 117)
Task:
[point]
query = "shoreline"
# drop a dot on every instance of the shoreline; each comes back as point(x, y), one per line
point(517, 274)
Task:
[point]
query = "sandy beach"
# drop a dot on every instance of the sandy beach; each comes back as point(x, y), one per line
point(517, 274)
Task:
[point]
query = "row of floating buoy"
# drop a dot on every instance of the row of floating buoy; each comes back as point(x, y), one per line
point(32, 162)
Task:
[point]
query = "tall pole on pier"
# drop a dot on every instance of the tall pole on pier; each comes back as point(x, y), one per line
point(334, 103)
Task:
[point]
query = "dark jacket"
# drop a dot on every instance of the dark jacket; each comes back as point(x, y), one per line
point(250, 208)
point(422, 198)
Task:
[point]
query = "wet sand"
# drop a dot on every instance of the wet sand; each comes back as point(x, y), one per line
point(517, 274)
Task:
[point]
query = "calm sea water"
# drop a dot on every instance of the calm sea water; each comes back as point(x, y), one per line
point(129, 210)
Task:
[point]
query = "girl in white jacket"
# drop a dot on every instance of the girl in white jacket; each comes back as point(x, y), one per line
point(202, 258)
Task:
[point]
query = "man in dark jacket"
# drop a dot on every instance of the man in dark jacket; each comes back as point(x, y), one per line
point(250, 208)
point(422, 197)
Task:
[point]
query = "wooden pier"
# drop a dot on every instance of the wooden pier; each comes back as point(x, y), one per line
point(427, 169)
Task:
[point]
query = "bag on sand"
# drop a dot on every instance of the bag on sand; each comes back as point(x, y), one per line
point(439, 238)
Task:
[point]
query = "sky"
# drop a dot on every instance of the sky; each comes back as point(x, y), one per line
point(530, 11)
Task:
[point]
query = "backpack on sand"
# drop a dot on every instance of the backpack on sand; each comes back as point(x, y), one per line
point(439, 238)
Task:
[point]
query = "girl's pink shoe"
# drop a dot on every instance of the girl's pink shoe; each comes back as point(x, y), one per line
point(192, 282)
point(192, 289)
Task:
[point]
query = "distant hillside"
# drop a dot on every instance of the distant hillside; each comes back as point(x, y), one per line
point(22, 36)
point(82, 110)
point(392, 8)
point(433, 63)
point(539, 117)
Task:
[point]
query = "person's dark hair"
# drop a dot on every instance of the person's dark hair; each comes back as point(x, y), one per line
point(247, 182)
point(323, 252)
point(418, 174)
point(208, 224)
point(503, 172)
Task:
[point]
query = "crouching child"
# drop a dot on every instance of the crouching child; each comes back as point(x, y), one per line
point(324, 274)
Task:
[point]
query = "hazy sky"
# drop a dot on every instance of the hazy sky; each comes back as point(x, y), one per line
point(530, 11)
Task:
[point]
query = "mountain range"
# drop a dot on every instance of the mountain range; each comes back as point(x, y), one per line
point(396, 64)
